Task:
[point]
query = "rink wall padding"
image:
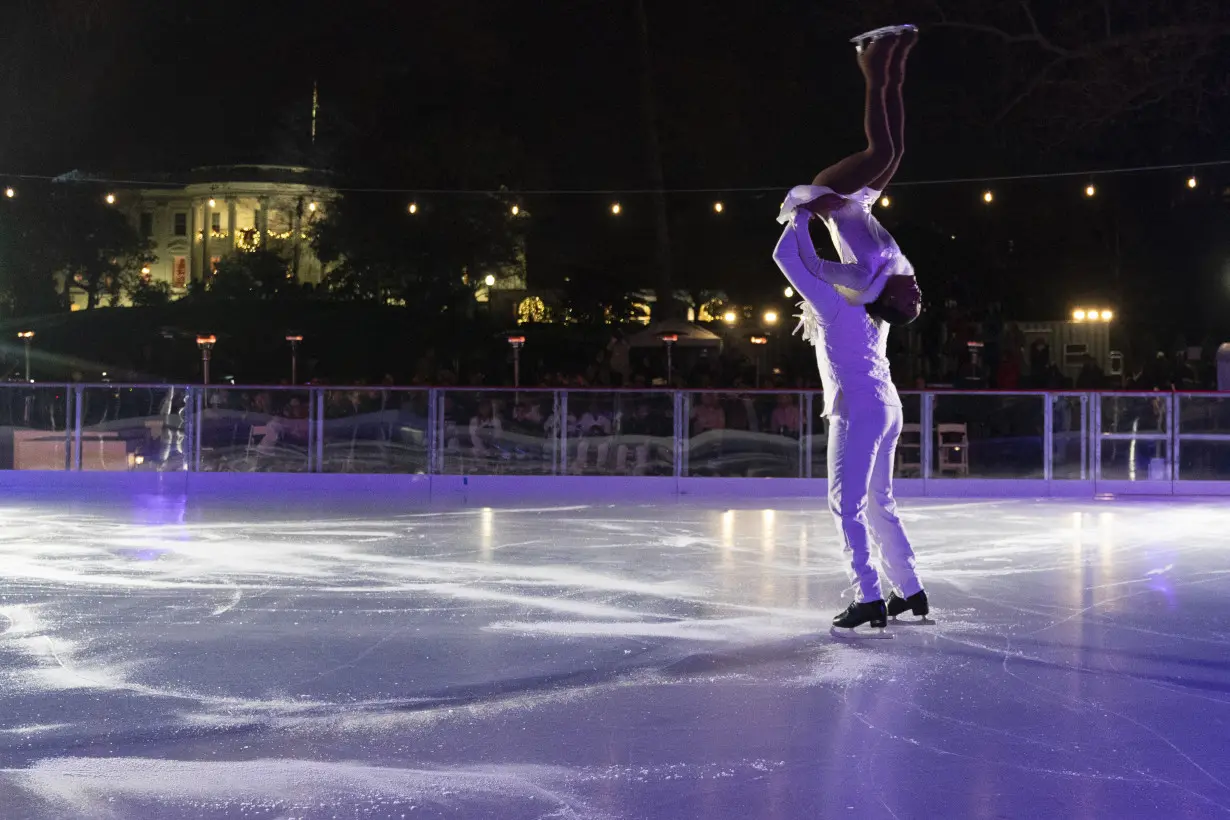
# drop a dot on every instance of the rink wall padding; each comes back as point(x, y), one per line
point(596, 489)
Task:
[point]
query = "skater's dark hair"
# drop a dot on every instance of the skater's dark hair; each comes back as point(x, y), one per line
point(882, 310)
point(899, 303)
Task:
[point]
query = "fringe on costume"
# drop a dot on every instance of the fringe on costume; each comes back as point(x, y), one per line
point(809, 323)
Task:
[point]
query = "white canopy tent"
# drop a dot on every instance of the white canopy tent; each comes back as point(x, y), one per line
point(689, 335)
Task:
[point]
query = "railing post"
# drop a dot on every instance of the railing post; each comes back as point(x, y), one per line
point(553, 442)
point(1085, 437)
point(1048, 440)
point(1095, 430)
point(562, 429)
point(318, 426)
point(928, 436)
point(75, 400)
point(1172, 428)
point(805, 437)
point(682, 410)
point(433, 433)
point(199, 403)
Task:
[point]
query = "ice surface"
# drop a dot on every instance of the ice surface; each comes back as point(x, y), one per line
point(280, 659)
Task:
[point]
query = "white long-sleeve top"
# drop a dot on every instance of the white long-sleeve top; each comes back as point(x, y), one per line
point(851, 346)
point(867, 250)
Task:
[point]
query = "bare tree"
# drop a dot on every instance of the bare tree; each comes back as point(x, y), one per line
point(1067, 71)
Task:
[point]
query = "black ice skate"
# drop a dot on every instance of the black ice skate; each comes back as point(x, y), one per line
point(856, 614)
point(915, 604)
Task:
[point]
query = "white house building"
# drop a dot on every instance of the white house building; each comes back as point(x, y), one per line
point(220, 210)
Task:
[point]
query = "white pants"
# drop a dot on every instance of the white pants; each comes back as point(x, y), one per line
point(862, 447)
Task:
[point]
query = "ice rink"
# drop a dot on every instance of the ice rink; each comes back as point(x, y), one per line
point(266, 658)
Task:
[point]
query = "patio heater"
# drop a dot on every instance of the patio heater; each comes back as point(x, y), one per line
point(206, 344)
point(669, 339)
point(517, 343)
point(27, 336)
point(758, 341)
point(294, 357)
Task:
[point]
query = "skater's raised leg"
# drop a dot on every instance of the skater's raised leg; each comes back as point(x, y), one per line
point(861, 170)
point(894, 105)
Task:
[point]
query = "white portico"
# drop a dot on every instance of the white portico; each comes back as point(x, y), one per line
point(227, 209)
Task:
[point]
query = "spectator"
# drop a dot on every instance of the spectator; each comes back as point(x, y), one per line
point(708, 415)
point(485, 429)
point(784, 420)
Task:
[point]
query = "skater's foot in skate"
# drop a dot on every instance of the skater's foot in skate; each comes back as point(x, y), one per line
point(887, 32)
point(867, 612)
point(915, 604)
point(905, 42)
point(876, 59)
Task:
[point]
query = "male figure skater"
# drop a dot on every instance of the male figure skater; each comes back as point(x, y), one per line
point(846, 313)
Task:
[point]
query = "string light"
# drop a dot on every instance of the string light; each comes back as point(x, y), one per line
point(884, 202)
point(718, 207)
point(516, 209)
point(110, 199)
point(489, 280)
point(1091, 190)
point(1192, 182)
point(10, 193)
point(413, 208)
point(770, 317)
point(616, 209)
point(1078, 315)
point(729, 317)
point(212, 202)
point(789, 292)
point(312, 207)
point(988, 197)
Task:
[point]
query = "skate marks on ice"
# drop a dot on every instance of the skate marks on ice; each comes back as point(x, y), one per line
point(614, 604)
point(135, 787)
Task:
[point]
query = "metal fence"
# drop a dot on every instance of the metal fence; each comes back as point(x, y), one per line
point(1145, 441)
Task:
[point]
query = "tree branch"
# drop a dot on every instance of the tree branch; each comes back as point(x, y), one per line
point(1028, 91)
point(1010, 39)
point(1189, 32)
point(1037, 32)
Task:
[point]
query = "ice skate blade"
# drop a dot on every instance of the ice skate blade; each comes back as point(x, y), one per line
point(875, 633)
point(919, 621)
point(878, 33)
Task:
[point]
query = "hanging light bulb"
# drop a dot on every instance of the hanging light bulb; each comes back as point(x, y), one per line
point(413, 208)
point(884, 202)
point(1192, 182)
point(1091, 190)
point(516, 209)
point(110, 199)
point(718, 207)
point(616, 209)
point(988, 197)
point(10, 193)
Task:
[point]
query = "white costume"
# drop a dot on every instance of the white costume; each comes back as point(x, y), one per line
point(869, 254)
point(859, 397)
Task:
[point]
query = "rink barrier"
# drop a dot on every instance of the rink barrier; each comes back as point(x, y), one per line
point(471, 442)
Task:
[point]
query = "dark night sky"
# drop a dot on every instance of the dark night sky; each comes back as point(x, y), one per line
point(539, 95)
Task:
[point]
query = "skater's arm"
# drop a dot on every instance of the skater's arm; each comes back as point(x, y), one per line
point(852, 276)
point(815, 290)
